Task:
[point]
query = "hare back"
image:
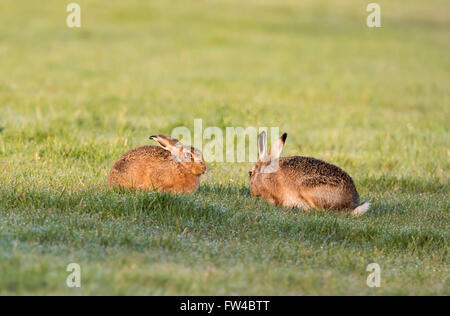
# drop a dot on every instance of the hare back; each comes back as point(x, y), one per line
point(318, 183)
point(145, 167)
point(145, 153)
point(313, 172)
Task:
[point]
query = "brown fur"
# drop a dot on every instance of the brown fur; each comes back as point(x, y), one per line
point(161, 168)
point(302, 182)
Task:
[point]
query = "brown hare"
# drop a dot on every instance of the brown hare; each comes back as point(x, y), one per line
point(303, 182)
point(172, 167)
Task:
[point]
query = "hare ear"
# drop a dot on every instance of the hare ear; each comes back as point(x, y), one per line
point(262, 146)
point(168, 143)
point(277, 147)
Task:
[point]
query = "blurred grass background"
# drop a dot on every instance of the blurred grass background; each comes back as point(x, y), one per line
point(374, 101)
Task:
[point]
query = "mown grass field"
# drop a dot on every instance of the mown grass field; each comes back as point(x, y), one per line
point(373, 101)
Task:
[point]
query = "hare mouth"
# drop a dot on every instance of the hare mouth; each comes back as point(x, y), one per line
point(200, 172)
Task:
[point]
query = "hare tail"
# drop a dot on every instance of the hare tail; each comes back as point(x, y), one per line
point(361, 209)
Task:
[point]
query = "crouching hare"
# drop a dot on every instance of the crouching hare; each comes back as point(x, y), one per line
point(172, 167)
point(303, 182)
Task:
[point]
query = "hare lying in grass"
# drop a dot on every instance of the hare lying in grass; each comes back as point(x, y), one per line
point(303, 182)
point(172, 167)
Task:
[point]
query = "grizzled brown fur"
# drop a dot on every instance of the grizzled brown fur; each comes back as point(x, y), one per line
point(167, 168)
point(302, 182)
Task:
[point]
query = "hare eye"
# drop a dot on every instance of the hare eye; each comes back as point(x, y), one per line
point(250, 173)
point(186, 156)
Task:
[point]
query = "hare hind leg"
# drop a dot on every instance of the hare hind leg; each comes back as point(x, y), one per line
point(298, 201)
point(325, 197)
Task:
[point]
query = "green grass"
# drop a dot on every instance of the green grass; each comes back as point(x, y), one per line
point(373, 101)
